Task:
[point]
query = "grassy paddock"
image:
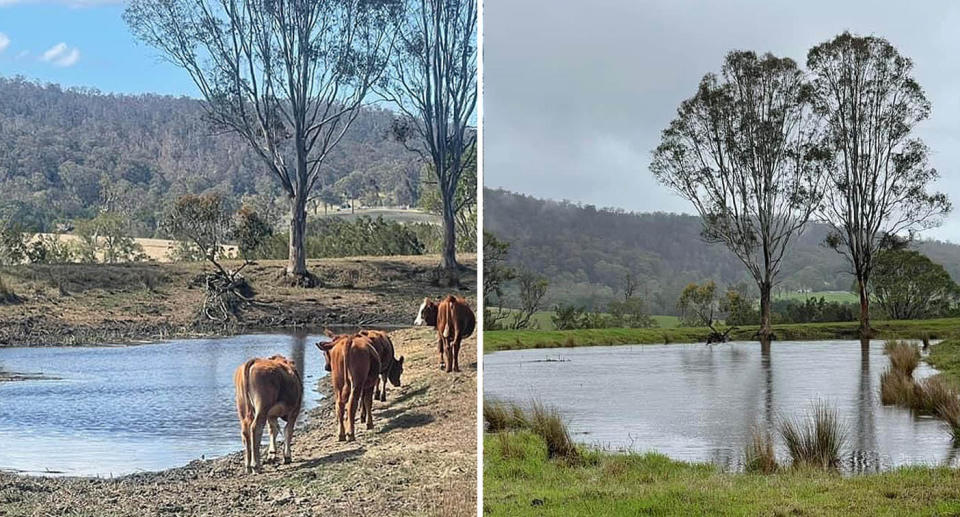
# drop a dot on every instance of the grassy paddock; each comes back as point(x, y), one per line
point(495, 340)
point(520, 479)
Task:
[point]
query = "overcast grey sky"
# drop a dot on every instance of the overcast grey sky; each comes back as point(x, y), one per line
point(576, 93)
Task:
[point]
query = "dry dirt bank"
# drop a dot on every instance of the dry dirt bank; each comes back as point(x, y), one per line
point(80, 304)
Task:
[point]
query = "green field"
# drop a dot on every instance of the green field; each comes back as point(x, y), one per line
point(829, 296)
point(520, 479)
point(542, 320)
point(494, 340)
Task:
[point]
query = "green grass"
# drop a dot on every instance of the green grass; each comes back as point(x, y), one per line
point(542, 320)
point(519, 479)
point(495, 340)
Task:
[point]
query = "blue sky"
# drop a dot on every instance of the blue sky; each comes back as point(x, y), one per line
point(82, 43)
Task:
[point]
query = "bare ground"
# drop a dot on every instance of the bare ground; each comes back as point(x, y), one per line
point(420, 459)
point(81, 304)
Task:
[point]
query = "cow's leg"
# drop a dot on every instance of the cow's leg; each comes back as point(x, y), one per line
point(440, 347)
point(259, 420)
point(456, 353)
point(341, 435)
point(355, 394)
point(368, 406)
point(274, 431)
point(245, 425)
point(448, 350)
point(376, 390)
point(383, 392)
point(288, 437)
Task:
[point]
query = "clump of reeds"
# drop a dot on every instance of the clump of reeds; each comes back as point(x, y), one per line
point(501, 416)
point(815, 439)
point(898, 388)
point(541, 420)
point(904, 357)
point(759, 454)
point(549, 425)
point(936, 392)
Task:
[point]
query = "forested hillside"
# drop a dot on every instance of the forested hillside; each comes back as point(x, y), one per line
point(586, 252)
point(67, 154)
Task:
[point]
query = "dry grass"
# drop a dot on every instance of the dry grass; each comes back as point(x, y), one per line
point(759, 455)
point(547, 422)
point(904, 357)
point(815, 439)
point(897, 388)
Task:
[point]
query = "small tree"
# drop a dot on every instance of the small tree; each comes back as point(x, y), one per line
point(496, 273)
point(878, 186)
point(533, 288)
point(909, 285)
point(251, 232)
point(698, 304)
point(567, 317)
point(13, 247)
point(105, 238)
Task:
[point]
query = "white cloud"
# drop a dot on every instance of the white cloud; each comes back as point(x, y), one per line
point(61, 55)
point(4, 41)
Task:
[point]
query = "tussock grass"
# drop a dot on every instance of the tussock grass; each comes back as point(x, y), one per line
point(904, 357)
point(544, 421)
point(935, 392)
point(501, 416)
point(547, 422)
point(759, 453)
point(815, 439)
point(897, 388)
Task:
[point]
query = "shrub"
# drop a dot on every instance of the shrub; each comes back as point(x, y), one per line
point(815, 439)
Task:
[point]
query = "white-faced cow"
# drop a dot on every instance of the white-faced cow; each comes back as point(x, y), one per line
point(454, 321)
point(267, 389)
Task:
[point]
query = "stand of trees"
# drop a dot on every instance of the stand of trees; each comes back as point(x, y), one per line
point(760, 149)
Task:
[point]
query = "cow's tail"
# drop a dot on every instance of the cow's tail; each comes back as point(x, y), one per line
point(245, 380)
point(471, 323)
point(346, 368)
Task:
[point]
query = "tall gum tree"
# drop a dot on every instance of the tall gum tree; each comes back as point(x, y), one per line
point(744, 152)
point(288, 76)
point(433, 81)
point(879, 175)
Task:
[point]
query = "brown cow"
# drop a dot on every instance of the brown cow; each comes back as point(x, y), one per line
point(390, 367)
point(267, 389)
point(354, 366)
point(454, 321)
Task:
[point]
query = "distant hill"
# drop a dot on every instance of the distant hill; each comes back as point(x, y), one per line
point(66, 153)
point(586, 252)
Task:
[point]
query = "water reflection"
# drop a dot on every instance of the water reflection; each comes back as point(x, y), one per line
point(698, 402)
point(122, 409)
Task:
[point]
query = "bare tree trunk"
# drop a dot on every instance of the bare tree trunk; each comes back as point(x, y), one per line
point(448, 262)
point(865, 331)
point(765, 329)
point(297, 264)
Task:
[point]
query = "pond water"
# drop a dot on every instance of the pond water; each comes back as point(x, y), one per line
point(116, 410)
point(698, 402)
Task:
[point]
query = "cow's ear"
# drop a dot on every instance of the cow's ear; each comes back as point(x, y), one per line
point(325, 345)
point(328, 332)
point(400, 360)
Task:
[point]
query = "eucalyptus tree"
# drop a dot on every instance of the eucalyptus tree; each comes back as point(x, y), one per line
point(744, 151)
point(433, 81)
point(288, 76)
point(879, 175)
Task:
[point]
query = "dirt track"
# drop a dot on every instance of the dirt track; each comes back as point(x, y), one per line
point(419, 460)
